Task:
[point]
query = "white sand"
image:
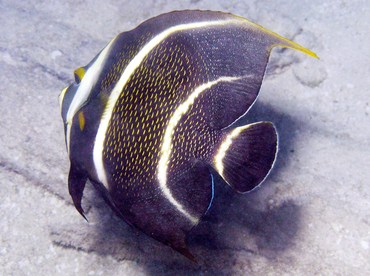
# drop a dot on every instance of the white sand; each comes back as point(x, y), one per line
point(310, 217)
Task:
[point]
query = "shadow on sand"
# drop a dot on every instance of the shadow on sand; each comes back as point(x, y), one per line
point(235, 224)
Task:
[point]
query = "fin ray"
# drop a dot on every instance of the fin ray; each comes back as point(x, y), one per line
point(246, 155)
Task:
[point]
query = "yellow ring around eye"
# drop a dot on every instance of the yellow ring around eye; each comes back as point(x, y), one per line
point(79, 74)
point(61, 96)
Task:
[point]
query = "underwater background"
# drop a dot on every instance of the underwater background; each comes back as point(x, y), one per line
point(311, 216)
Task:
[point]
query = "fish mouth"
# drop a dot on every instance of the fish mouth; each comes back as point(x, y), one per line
point(61, 96)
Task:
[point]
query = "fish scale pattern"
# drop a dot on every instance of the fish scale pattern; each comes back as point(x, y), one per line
point(120, 60)
point(135, 134)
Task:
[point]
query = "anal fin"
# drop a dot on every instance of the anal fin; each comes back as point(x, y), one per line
point(246, 155)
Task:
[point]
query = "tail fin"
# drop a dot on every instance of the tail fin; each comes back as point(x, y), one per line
point(246, 155)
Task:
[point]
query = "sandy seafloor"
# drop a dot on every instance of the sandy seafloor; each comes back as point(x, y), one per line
point(311, 216)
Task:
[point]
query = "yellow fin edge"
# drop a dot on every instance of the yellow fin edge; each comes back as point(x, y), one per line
point(285, 43)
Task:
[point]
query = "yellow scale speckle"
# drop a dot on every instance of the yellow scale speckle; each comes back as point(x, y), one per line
point(144, 108)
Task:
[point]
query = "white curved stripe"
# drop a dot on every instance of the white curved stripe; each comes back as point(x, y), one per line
point(218, 160)
point(84, 88)
point(127, 73)
point(167, 141)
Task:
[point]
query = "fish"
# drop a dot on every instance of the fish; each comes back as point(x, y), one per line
point(151, 119)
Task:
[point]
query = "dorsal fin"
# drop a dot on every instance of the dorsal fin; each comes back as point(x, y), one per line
point(280, 41)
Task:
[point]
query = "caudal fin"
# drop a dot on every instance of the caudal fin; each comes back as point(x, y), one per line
point(246, 155)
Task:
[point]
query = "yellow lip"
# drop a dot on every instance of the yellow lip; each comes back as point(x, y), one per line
point(61, 96)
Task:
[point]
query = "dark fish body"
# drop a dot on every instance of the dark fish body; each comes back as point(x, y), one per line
point(154, 111)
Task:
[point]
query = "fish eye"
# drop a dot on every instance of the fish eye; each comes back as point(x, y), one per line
point(79, 74)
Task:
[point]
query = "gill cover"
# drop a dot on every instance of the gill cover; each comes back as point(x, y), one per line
point(77, 95)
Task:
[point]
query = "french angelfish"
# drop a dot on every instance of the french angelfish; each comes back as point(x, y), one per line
point(150, 119)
